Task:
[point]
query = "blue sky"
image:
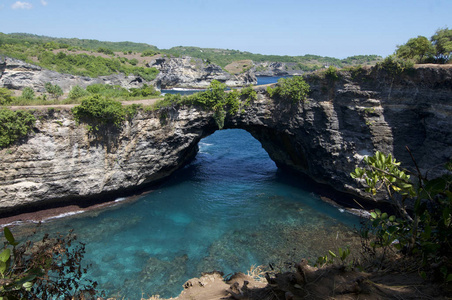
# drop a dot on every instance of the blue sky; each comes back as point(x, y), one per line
point(337, 28)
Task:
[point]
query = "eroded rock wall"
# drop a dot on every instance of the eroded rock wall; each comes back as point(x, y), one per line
point(189, 72)
point(16, 75)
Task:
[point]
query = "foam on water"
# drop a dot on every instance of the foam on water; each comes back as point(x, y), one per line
point(229, 209)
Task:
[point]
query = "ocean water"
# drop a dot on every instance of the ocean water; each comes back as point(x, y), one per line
point(267, 80)
point(228, 210)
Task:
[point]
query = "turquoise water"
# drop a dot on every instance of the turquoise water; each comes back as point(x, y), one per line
point(229, 209)
point(267, 80)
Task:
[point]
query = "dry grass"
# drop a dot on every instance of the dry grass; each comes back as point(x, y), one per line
point(239, 66)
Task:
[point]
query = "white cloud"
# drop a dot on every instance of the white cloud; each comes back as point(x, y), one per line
point(44, 3)
point(21, 5)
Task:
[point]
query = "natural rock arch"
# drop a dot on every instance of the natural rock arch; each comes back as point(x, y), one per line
point(324, 138)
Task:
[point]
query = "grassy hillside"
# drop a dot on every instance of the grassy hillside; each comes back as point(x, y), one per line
point(224, 57)
point(79, 57)
point(96, 58)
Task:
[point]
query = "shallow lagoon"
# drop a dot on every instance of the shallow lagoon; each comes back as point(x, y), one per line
point(229, 209)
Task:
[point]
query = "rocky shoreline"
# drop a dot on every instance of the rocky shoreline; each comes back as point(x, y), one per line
point(324, 138)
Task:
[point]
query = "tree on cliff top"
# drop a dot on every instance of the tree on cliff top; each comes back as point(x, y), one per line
point(442, 40)
point(419, 49)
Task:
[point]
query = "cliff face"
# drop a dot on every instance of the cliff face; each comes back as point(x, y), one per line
point(324, 137)
point(184, 72)
point(188, 72)
point(16, 75)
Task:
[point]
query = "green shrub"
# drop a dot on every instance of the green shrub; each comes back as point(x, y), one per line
point(395, 66)
point(6, 96)
point(47, 269)
point(28, 93)
point(294, 89)
point(77, 92)
point(149, 53)
point(331, 73)
point(108, 91)
point(248, 94)
point(144, 91)
point(105, 51)
point(13, 125)
point(54, 90)
point(426, 232)
point(214, 98)
point(133, 61)
point(100, 111)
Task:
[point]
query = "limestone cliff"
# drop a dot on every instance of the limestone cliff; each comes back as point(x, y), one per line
point(188, 72)
point(16, 75)
point(324, 137)
point(183, 72)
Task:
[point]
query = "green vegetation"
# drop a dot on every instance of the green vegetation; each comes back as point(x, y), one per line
point(331, 73)
point(308, 62)
point(14, 125)
point(425, 234)
point(214, 98)
point(442, 41)
point(395, 66)
point(294, 89)
point(54, 90)
point(48, 269)
point(76, 94)
point(64, 55)
point(421, 50)
point(89, 65)
point(73, 43)
point(98, 111)
point(55, 54)
point(6, 96)
point(28, 93)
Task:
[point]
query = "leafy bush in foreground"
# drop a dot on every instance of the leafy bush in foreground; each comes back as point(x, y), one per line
point(426, 233)
point(13, 125)
point(48, 269)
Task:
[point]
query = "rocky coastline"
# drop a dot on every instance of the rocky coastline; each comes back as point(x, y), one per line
point(324, 138)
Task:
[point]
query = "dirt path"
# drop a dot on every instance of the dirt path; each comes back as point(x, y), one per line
point(69, 106)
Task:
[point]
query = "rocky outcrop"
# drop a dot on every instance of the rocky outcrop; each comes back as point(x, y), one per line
point(16, 75)
point(324, 137)
point(273, 69)
point(188, 72)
